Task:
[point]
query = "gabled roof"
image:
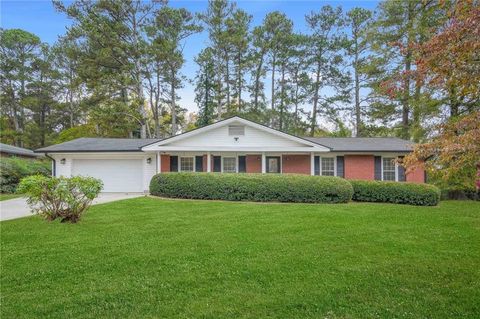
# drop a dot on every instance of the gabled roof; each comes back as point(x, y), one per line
point(15, 150)
point(87, 144)
point(364, 144)
point(337, 144)
point(236, 119)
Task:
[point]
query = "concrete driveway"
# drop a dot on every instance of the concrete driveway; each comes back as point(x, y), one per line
point(18, 207)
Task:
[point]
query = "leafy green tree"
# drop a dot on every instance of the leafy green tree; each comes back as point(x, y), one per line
point(215, 19)
point(18, 49)
point(358, 19)
point(114, 36)
point(400, 26)
point(205, 87)
point(239, 40)
point(171, 27)
point(326, 60)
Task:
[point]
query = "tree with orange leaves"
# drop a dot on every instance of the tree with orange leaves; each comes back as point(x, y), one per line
point(450, 60)
point(452, 157)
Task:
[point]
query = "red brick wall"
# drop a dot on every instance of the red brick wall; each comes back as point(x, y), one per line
point(359, 167)
point(296, 164)
point(416, 176)
point(165, 163)
point(254, 163)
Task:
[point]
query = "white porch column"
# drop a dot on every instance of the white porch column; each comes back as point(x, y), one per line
point(312, 163)
point(159, 163)
point(209, 163)
point(264, 163)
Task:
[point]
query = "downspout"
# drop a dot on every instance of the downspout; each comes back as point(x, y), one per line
point(54, 169)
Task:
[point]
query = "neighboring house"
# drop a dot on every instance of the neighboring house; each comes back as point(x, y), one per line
point(234, 145)
point(14, 151)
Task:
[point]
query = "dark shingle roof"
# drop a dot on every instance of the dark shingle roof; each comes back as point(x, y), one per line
point(337, 144)
point(87, 144)
point(10, 149)
point(364, 144)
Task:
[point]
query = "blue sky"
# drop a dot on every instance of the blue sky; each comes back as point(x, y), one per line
point(40, 18)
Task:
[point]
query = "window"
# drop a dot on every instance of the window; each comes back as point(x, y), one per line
point(388, 164)
point(229, 164)
point(236, 130)
point(273, 164)
point(328, 166)
point(186, 164)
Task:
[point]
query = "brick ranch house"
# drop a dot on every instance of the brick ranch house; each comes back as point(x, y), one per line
point(234, 145)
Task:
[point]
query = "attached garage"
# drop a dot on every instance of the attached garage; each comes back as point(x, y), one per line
point(118, 175)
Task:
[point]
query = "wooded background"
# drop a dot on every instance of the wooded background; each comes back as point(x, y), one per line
point(397, 71)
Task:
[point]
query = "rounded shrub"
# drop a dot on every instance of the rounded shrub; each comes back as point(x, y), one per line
point(252, 187)
point(395, 192)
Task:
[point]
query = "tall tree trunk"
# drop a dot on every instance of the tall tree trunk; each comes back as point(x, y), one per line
point(227, 81)
point(282, 98)
point(239, 82)
point(173, 106)
point(257, 82)
point(296, 102)
point(358, 119)
point(408, 66)
point(416, 114)
point(273, 80)
point(138, 79)
point(313, 123)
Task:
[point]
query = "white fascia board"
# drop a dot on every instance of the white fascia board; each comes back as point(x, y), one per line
point(237, 149)
point(155, 146)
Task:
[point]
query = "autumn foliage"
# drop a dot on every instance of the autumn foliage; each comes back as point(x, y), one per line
point(450, 60)
point(452, 156)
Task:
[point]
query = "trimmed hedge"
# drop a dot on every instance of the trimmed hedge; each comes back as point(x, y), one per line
point(252, 187)
point(395, 192)
point(13, 169)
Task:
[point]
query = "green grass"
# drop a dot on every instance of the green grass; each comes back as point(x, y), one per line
point(9, 196)
point(153, 258)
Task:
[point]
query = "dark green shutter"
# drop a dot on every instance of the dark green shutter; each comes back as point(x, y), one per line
point(316, 165)
point(401, 171)
point(340, 166)
point(217, 163)
point(199, 163)
point(242, 164)
point(173, 163)
point(378, 168)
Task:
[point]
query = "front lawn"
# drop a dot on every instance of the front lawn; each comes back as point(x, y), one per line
point(9, 196)
point(154, 258)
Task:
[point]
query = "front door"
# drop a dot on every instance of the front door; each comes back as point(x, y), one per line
point(273, 164)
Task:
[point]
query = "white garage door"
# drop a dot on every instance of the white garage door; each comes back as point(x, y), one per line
point(118, 175)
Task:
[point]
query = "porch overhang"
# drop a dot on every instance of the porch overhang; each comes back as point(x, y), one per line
point(172, 148)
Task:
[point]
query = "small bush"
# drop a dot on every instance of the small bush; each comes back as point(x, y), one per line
point(12, 170)
point(252, 187)
point(395, 192)
point(65, 198)
point(459, 193)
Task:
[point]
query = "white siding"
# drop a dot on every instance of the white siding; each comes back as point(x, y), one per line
point(253, 138)
point(149, 170)
point(145, 170)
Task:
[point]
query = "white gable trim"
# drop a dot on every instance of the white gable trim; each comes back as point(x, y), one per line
point(162, 144)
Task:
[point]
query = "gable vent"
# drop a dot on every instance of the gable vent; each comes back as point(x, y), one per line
point(236, 130)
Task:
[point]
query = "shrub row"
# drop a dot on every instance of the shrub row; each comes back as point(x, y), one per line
point(290, 188)
point(395, 192)
point(12, 170)
point(252, 187)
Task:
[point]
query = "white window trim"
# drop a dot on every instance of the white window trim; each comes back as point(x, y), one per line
point(180, 161)
point(334, 165)
point(396, 166)
point(236, 163)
